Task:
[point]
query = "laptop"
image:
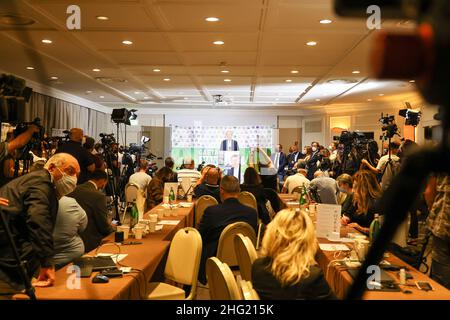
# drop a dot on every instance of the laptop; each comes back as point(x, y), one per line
point(97, 263)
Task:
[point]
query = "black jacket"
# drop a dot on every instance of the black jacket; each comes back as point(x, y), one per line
point(94, 203)
point(315, 287)
point(204, 189)
point(258, 191)
point(31, 216)
point(214, 220)
point(363, 219)
point(311, 165)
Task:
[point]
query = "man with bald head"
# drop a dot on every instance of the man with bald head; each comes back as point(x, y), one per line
point(85, 158)
point(30, 206)
point(209, 184)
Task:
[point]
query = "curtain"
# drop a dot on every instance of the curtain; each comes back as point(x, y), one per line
point(59, 114)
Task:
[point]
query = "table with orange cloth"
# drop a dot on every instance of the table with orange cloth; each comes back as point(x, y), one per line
point(340, 279)
point(144, 258)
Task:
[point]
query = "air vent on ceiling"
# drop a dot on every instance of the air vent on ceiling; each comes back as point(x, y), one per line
point(108, 80)
point(313, 126)
point(342, 81)
point(15, 20)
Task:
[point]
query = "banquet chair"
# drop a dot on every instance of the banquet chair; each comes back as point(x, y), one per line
point(225, 249)
point(200, 206)
point(246, 254)
point(221, 281)
point(182, 267)
point(297, 192)
point(249, 200)
point(247, 291)
point(131, 194)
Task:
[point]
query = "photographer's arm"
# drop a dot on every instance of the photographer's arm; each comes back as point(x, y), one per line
point(22, 139)
point(366, 163)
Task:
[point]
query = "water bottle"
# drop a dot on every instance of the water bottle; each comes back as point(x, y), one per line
point(374, 228)
point(303, 201)
point(171, 195)
point(134, 216)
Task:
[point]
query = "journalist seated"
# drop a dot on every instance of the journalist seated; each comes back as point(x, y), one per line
point(365, 203)
point(155, 189)
point(93, 201)
point(209, 184)
point(323, 189)
point(216, 218)
point(287, 269)
point(297, 180)
point(71, 222)
point(141, 178)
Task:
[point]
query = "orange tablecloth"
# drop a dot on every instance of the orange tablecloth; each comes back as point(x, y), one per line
point(145, 258)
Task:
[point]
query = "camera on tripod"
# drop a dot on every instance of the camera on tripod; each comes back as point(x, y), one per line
point(36, 139)
point(107, 140)
point(389, 128)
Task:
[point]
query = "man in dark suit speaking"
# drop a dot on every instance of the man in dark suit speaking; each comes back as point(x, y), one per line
point(216, 218)
point(229, 144)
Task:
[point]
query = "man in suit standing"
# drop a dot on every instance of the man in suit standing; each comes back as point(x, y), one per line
point(93, 201)
point(216, 218)
point(229, 144)
point(295, 156)
point(279, 161)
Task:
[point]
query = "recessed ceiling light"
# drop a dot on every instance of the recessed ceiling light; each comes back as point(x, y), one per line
point(54, 78)
point(146, 98)
point(127, 42)
point(317, 100)
point(212, 19)
point(185, 98)
point(96, 70)
point(325, 21)
point(381, 94)
point(219, 43)
point(225, 71)
point(102, 97)
point(30, 68)
point(311, 43)
point(412, 81)
point(288, 80)
point(369, 100)
point(103, 18)
point(156, 70)
point(277, 99)
point(137, 92)
point(89, 91)
point(227, 80)
point(48, 41)
point(294, 71)
point(166, 79)
point(356, 72)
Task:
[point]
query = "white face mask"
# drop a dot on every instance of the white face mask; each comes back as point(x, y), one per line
point(66, 184)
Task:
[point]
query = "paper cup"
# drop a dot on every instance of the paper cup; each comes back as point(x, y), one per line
point(312, 208)
point(189, 198)
point(152, 226)
point(125, 230)
point(166, 199)
point(138, 232)
point(160, 213)
point(153, 218)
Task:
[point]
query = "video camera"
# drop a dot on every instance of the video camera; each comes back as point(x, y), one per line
point(36, 139)
point(13, 96)
point(354, 149)
point(389, 128)
point(107, 140)
point(351, 139)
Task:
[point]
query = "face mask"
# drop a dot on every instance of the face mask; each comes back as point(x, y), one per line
point(342, 190)
point(314, 149)
point(66, 184)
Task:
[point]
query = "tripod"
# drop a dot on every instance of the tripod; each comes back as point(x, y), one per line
point(112, 183)
point(29, 289)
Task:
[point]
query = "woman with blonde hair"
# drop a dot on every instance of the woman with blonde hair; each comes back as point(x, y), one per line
point(287, 269)
point(366, 195)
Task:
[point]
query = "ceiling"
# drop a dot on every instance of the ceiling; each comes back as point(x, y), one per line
point(264, 40)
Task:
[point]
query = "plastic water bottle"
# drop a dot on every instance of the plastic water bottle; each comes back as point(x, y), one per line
point(374, 228)
point(134, 216)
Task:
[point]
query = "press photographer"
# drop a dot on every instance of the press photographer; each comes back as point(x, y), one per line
point(74, 147)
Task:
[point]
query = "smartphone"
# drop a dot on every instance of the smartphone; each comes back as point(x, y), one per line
point(423, 285)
